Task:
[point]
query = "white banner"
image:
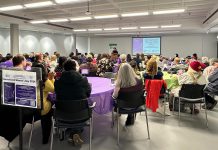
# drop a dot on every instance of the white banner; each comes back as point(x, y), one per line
point(19, 88)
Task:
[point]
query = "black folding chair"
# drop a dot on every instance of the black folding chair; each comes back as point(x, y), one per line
point(73, 114)
point(130, 103)
point(164, 93)
point(109, 75)
point(192, 94)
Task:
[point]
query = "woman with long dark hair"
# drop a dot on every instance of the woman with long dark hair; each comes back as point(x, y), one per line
point(128, 58)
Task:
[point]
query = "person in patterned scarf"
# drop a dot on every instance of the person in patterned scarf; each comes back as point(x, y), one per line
point(104, 65)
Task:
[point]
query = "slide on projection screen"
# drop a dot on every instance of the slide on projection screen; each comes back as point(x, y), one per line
point(146, 45)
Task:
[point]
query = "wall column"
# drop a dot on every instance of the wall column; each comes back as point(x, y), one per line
point(74, 43)
point(14, 39)
point(89, 44)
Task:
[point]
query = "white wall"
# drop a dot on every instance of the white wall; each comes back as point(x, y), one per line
point(210, 46)
point(202, 44)
point(45, 42)
point(82, 44)
point(38, 42)
point(101, 44)
point(4, 42)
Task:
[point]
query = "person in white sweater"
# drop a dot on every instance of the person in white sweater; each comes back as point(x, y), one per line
point(194, 75)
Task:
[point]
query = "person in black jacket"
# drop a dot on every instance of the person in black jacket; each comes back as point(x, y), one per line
point(72, 86)
point(211, 90)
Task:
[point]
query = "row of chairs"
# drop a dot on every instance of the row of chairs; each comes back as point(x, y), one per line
point(77, 114)
point(189, 93)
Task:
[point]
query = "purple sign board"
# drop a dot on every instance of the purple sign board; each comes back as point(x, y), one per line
point(19, 88)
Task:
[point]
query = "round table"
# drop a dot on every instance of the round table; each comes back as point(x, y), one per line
point(102, 91)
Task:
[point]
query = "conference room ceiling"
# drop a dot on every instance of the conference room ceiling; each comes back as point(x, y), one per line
point(196, 12)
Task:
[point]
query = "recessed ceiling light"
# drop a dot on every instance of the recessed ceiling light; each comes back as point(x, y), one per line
point(111, 29)
point(66, 1)
point(134, 14)
point(171, 26)
point(162, 32)
point(129, 28)
point(116, 34)
point(149, 27)
point(9, 8)
point(58, 20)
point(38, 21)
point(95, 29)
point(81, 18)
point(39, 4)
point(80, 30)
point(106, 16)
point(168, 11)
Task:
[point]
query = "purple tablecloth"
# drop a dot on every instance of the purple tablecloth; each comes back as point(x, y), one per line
point(101, 94)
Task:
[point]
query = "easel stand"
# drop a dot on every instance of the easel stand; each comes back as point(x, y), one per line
point(21, 129)
point(32, 126)
point(5, 75)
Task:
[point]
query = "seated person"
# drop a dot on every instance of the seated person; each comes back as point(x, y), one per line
point(212, 88)
point(205, 60)
point(123, 58)
point(72, 86)
point(104, 65)
point(133, 64)
point(210, 69)
point(128, 58)
point(115, 57)
point(60, 67)
point(176, 61)
point(192, 76)
point(46, 113)
point(92, 68)
point(158, 76)
point(147, 58)
point(127, 80)
point(138, 60)
point(151, 68)
point(8, 62)
point(9, 126)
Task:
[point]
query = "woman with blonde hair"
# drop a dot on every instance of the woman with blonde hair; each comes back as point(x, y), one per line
point(127, 80)
point(123, 58)
point(53, 63)
point(151, 68)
